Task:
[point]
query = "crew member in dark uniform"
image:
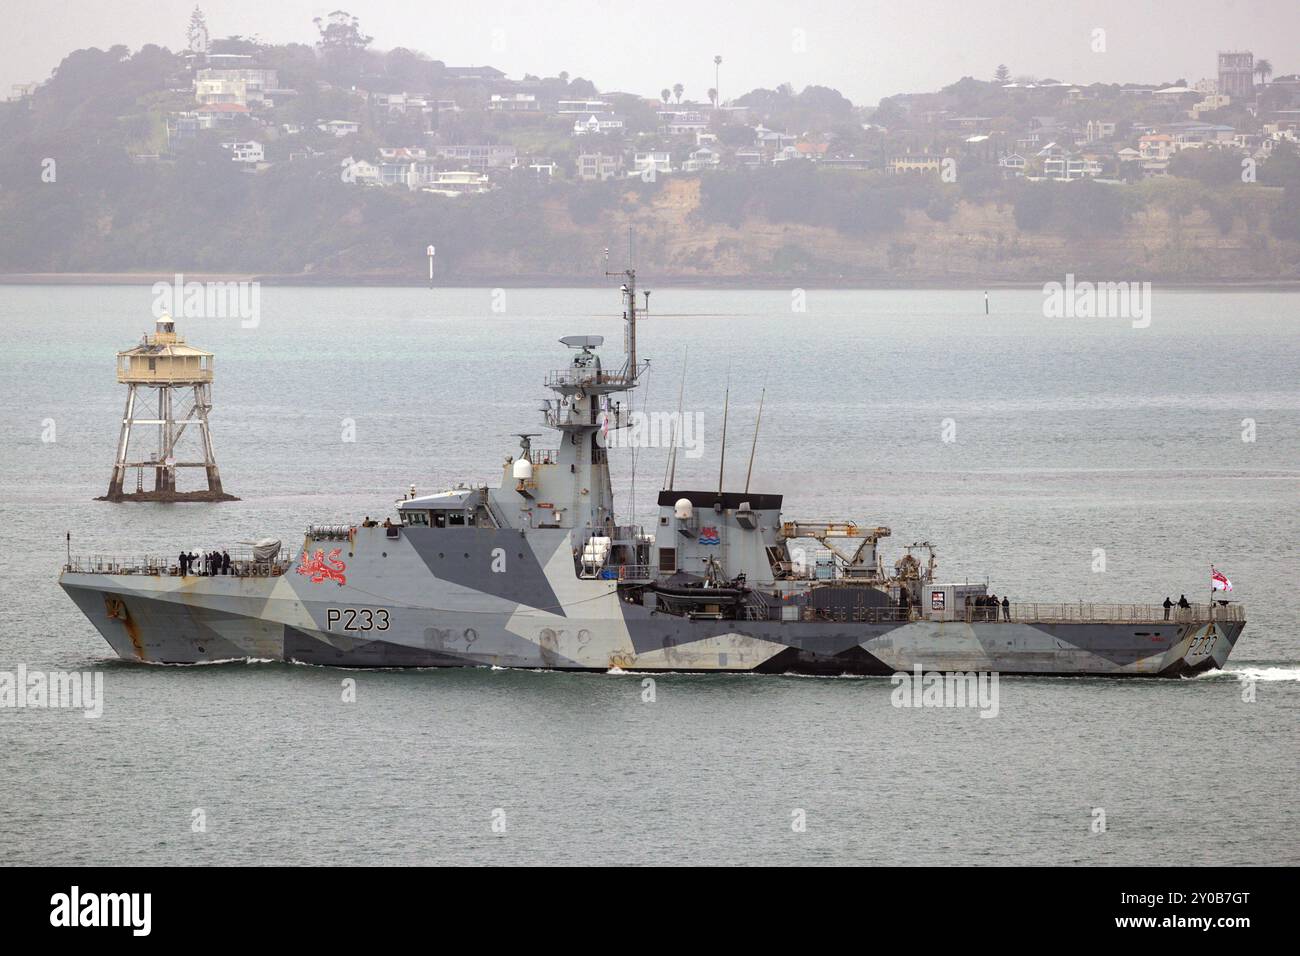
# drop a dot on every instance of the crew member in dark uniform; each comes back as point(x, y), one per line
point(1168, 605)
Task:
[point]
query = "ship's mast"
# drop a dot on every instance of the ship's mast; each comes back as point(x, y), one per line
point(628, 289)
point(630, 370)
point(570, 487)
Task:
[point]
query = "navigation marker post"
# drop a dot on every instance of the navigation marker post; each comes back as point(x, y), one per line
point(429, 252)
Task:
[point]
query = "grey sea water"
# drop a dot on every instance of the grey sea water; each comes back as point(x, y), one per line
point(1075, 439)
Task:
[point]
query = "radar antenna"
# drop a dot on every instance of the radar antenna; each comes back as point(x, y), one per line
point(526, 441)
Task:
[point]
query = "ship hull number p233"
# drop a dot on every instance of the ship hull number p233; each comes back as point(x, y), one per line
point(356, 619)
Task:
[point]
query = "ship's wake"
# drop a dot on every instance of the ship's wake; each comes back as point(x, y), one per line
point(1253, 673)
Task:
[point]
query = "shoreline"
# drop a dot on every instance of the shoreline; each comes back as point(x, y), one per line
point(545, 281)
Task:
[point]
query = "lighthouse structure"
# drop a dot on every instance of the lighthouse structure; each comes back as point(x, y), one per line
point(179, 373)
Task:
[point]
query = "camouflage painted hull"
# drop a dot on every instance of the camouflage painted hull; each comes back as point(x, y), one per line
point(432, 598)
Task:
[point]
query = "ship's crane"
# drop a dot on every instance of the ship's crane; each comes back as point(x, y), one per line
point(838, 537)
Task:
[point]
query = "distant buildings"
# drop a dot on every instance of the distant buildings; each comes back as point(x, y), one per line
point(652, 161)
point(915, 163)
point(360, 171)
point(242, 86)
point(396, 174)
point(599, 166)
point(585, 107)
point(598, 123)
point(702, 159)
point(1062, 163)
point(401, 104)
point(1212, 102)
point(1154, 152)
point(1099, 129)
point(457, 182)
point(1173, 94)
point(1012, 164)
point(339, 127)
point(479, 158)
point(682, 122)
point(770, 142)
point(1237, 74)
point(623, 134)
point(247, 152)
point(514, 103)
point(395, 154)
point(219, 115)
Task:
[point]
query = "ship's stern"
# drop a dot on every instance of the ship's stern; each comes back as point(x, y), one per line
point(1203, 647)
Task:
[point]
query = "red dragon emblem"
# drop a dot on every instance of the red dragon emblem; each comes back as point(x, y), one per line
point(321, 568)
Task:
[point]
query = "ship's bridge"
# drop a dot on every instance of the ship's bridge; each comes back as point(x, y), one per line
point(458, 507)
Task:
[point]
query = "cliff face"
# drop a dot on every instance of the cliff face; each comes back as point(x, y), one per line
point(979, 243)
point(321, 231)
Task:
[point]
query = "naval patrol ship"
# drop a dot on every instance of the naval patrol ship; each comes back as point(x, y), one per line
point(536, 572)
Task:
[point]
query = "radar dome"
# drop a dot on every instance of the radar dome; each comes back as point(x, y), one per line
point(683, 509)
point(523, 469)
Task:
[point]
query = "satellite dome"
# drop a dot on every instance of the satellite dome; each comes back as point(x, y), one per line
point(683, 509)
point(523, 469)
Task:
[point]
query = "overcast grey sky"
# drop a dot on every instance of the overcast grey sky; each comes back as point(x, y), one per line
point(866, 49)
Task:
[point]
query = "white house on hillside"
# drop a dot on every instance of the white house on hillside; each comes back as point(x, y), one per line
point(247, 152)
point(605, 123)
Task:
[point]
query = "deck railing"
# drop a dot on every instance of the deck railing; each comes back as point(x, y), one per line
point(634, 572)
point(586, 376)
point(242, 564)
point(878, 614)
point(1106, 613)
